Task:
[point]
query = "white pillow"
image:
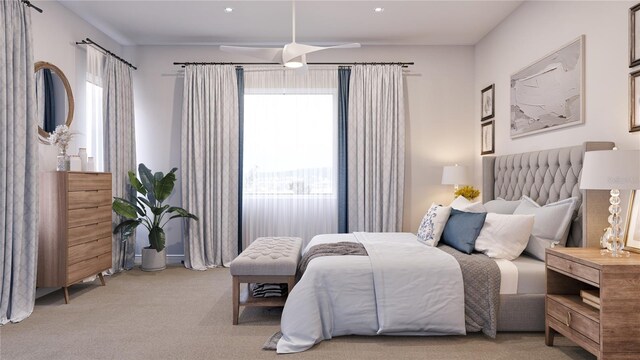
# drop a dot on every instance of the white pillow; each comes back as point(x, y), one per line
point(551, 223)
point(461, 203)
point(502, 206)
point(504, 236)
point(433, 223)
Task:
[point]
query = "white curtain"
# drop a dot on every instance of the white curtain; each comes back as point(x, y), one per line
point(94, 108)
point(376, 148)
point(209, 170)
point(120, 148)
point(289, 152)
point(18, 165)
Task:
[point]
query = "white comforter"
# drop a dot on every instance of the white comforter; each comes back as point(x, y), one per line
point(402, 288)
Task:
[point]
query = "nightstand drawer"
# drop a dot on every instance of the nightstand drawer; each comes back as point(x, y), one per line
point(575, 269)
point(571, 319)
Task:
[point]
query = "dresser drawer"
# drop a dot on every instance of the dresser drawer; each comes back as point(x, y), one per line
point(571, 319)
point(88, 199)
point(88, 250)
point(81, 217)
point(574, 269)
point(82, 234)
point(89, 181)
point(89, 267)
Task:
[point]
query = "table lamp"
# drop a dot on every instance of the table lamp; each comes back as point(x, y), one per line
point(612, 170)
point(454, 175)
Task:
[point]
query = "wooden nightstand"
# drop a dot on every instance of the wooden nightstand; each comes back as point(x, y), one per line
point(613, 331)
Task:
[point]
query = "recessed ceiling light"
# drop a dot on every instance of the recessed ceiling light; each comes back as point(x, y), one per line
point(228, 10)
point(378, 9)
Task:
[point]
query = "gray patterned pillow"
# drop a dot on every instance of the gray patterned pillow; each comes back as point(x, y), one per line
point(433, 224)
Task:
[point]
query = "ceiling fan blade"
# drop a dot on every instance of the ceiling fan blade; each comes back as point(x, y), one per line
point(294, 50)
point(267, 54)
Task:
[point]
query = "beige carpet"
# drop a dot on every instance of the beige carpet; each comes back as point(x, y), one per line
point(183, 314)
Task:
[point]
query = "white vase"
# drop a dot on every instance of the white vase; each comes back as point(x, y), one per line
point(82, 153)
point(153, 260)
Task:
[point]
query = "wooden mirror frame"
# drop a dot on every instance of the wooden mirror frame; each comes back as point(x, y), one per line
point(70, 103)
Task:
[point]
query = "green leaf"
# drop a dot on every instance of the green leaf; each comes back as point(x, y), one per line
point(124, 208)
point(156, 238)
point(188, 216)
point(127, 227)
point(139, 210)
point(147, 181)
point(145, 201)
point(159, 210)
point(181, 213)
point(164, 186)
point(136, 183)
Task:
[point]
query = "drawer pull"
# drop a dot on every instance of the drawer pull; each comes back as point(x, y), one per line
point(568, 323)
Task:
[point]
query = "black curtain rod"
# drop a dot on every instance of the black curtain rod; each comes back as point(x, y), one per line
point(88, 41)
point(29, 4)
point(403, 64)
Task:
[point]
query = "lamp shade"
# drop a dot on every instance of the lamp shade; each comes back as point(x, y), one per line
point(454, 175)
point(611, 169)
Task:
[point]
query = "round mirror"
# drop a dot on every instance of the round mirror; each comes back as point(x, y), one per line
point(54, 99)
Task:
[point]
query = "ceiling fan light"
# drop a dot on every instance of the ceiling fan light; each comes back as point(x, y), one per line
point(294, 64)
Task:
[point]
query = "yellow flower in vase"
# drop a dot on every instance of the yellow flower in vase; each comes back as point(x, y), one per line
point(468, 192)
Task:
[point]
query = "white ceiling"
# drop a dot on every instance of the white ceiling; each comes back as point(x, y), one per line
point(269, 22)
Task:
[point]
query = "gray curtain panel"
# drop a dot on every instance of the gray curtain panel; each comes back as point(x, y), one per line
point(18, 165)
point(375, 148)
point(210, 138)
point(344, 75)
point(120, 149)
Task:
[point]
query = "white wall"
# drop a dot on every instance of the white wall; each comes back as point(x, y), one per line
point(439, 94)
point(55, 33)
point(534, 30)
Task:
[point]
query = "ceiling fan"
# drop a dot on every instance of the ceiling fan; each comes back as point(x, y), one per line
point(292, 55)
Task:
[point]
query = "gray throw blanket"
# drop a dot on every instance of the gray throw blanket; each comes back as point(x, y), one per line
point(481, 277)
point(331, 249)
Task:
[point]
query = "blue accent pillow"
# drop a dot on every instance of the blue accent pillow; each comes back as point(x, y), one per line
point(462, 230)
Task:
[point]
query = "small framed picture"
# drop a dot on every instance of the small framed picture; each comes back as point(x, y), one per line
point(634, 37)
point(488, 103)
point(632, 228)
point(487, 138)
point(634, 101)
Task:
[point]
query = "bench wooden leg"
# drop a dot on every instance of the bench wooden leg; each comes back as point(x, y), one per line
point(236, 299)
point(101, 278)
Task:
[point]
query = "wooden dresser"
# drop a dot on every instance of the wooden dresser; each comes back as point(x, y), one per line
point(611, 332)
point(74, 228)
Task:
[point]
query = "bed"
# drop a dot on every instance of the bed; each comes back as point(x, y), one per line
point(362, 295)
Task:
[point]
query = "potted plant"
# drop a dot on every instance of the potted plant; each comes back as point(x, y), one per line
point(149, 211)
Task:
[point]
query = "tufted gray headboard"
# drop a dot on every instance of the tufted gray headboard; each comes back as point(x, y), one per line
point(547, 176)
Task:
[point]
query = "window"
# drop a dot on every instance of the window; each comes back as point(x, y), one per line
point(289, 153)
point(95, 147)
point(94, 109)
point(289, 144)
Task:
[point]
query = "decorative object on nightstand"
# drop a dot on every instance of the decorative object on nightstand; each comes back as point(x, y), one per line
point(613, 170)
point(591, 300)
point(454, 175)
point(468, 192)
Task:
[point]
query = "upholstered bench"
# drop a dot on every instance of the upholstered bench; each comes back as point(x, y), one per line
point(266, 260)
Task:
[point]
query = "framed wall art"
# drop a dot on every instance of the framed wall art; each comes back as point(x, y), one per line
point(634, 101)
point(487, 138)
point(487, 102)
point(548, 94)
point(634, 37)
point(632, 228)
